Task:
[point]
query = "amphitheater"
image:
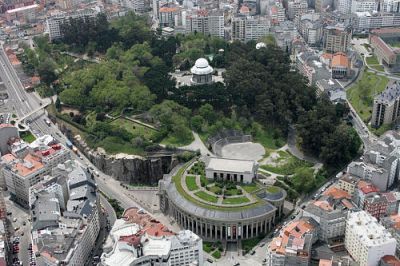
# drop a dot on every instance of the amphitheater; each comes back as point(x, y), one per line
point(234, 144)
point(202, 206)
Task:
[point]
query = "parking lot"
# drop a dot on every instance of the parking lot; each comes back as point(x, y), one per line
point(20, 234)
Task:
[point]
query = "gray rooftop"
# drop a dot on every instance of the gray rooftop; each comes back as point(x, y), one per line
point(390, 94)
point(45, 211)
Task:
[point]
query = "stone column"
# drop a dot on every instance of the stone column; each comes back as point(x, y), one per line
point(201, 228)
point(221, 232)
point(252, 230)
point(257, 228)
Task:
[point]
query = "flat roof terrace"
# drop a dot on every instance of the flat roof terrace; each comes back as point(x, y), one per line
point(182, 199)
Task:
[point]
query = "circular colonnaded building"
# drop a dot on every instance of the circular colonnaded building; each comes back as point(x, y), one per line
point(201, 72)
point(212, 216)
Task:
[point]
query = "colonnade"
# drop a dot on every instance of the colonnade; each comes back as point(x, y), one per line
point(219, 230)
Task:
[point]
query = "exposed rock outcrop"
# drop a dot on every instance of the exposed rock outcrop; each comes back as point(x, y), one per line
point(131, 169)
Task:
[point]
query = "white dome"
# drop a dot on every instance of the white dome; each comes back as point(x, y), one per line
point(201, 67)
point(260, 45)
point(201, 63)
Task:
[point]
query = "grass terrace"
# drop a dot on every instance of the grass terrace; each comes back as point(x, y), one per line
point(215, 189)
point(237, 200)
point(361, 94)
point(27, 136)
point(286, 164)
point(207, 197)
point(191, 183)
point(372, 60)
point(134, 128)
point(250, 188)
point(272, 189)
point(211, 197)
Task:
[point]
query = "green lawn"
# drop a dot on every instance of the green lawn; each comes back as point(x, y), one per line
point(373, 60)
point(208, 246)
point(216, 254)
point(177, 142)
point(136, 129)
point(270, 138)
point(191, 183)
point(361, 94)
point(378, 67)
point(272, 189)
point(289, 166)
point(177, 180)
point(114, 145)
point(207, 197)
point(248, 244)
point(381, 130)
point(232, 192)
point(249, 188)
point(27, 136)
point(203, 180)
point(238, 200)
point(215, 189)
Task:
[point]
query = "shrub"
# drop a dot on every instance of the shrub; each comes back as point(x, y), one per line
point(216, 254)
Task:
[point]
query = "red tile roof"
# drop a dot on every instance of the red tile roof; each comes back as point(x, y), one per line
point(369, 189)
point(336, 193)
point(340, 59)
point(391, 260)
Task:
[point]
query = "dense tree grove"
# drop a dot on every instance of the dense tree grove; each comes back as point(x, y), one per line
point(259, 91)
point(86, 33)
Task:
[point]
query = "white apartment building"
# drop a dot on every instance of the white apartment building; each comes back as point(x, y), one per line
point(390, 6)
point(364, 6)
point(366, 240)
point(296, 8)
point(138, 6)
point(53, 23)
point(249, 28)
point(343, 6)
point(379, 176)
point(130, 243)
point(21, 174)
point(366, 20)
point(206, 22)
point(277, 13)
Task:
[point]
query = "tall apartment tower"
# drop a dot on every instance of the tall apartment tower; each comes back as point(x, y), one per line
point(364, 5)
point(296, 8)
point(336, 38)
point(53, 23)
point(246, 28)
point(343, 6)
point(386, 105)
point(206, 22)
point(366, 240)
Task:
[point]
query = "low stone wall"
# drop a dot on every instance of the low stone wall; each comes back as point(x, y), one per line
point(218, 145)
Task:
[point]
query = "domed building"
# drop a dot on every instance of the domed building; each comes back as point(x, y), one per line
point(201, 72)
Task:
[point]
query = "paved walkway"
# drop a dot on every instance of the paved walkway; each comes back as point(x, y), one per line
point(196, 145)
point(294, 150)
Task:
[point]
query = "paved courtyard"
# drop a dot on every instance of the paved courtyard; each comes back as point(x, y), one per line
point(243, 151)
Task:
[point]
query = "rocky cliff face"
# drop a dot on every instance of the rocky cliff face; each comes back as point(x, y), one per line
point(131, 169)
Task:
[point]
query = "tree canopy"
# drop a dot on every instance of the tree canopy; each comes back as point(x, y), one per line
point(260, 90)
